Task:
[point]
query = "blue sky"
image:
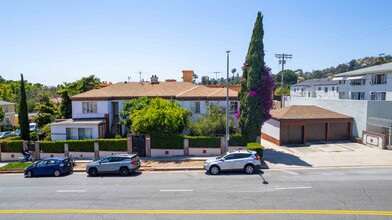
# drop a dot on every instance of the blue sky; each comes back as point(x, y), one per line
point(61, 41)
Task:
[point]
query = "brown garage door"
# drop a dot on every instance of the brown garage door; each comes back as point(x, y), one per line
point(339, 131)
point(291, 134)
point(316, 132)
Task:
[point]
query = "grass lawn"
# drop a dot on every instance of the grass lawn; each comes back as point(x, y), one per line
point(16, 166)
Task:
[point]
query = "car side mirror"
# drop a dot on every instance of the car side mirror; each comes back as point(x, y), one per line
point(222, 159)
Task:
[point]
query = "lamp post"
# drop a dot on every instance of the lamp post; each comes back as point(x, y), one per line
point(227, 104)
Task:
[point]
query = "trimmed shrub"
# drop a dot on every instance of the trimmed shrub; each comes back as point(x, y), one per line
point(14, 138)
point(81, 145)
point(238, 140)
point(256, 147)
point(167, 142)
point(52, 146)
point(203, 141)
point(112, 144)
point(11, 146)
point(34, 136)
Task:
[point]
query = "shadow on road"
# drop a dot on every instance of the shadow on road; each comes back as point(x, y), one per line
point(135, 174)
point(236, 173)
point(279, 157)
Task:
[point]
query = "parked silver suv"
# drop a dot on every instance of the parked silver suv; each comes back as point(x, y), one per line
point(123, 164)
point(244, 160)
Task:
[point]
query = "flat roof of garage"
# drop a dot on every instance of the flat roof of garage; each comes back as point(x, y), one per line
point(303, 112)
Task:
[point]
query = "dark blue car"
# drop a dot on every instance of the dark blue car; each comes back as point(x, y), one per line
point(55, 166)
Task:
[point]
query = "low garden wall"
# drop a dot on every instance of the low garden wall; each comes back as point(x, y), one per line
point(179, 145)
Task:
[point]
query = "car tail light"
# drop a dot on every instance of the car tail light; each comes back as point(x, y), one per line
point(257, 158)
point(62, 165)
point(133, 161)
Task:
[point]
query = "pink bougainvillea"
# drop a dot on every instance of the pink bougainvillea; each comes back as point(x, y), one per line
point(237, 115)
point(252, 93)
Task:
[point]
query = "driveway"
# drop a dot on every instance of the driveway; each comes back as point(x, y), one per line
point(340, 154)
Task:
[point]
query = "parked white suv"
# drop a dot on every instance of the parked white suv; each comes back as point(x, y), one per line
point(244, 160)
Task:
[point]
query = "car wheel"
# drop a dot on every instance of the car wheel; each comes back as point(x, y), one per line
point(57, 173)
point(214, 170)
point(124, 171)
point(29, 174)
point(93, 172)
point(249, 169)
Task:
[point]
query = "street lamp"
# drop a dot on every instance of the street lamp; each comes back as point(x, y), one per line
point(227, 103)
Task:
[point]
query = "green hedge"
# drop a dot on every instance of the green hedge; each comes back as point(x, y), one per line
point(256, 147)
point(238, 140)
point(167, 142)
point(203, 141)
point(11, 146)
point(81, 145)
point(112, 144)
point(52, 146)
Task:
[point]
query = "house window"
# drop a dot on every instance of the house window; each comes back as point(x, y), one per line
point(358, 95)
point(195, 107)
point(5, 108)
point(71, 133)
point(379, 79)
point(79, 133)
point(342, 95)
point(302, 89)
point(333, 88)
point(377, 96)
point(325, 89)
point(342, 81)
point(337, 88)
point(89, 107)
point(7, 121)
point(319, 88)
point(357, 82)
point(233, 107)
point(85, 133)
point(308, 94)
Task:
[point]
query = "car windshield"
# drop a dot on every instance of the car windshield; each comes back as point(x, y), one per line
point(221, 156)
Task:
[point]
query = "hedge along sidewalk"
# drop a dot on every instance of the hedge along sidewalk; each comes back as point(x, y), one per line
point(59, 147)
point(177, 141)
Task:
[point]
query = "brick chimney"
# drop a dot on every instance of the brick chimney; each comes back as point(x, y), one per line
point(187, 76)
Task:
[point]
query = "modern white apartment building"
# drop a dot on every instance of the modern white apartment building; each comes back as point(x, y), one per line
point(316, 88)
point(372, 83)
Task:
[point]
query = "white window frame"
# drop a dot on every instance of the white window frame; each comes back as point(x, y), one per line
point(195, 107)
point(89, 107)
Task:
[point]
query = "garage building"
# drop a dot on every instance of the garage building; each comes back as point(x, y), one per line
point(298, 124)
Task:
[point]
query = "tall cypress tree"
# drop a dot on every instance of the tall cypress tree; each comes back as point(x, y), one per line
point(256, 86)
point(23, 115)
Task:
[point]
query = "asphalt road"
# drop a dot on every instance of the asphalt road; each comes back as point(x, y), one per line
point(355, 193)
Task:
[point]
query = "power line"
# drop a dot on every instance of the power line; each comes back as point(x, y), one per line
point(282, 60)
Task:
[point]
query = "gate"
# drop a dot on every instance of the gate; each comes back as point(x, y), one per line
point(139, 145)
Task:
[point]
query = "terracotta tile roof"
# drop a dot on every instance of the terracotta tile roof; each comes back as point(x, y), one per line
point(305, 112)
point(175, 90)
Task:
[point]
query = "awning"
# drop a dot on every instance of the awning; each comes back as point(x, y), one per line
point(356, 77)
point(337, 78)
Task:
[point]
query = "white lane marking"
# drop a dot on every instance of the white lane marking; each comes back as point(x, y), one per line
point(295, 187)
point(290, 172)
point(176, 190)
point(71, 191)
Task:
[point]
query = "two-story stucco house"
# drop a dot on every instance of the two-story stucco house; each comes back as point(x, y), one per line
point(372, 83)
point(9, 110)
point(96, 113)
point(316, 88)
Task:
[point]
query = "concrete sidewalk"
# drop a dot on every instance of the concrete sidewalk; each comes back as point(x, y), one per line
point(342, 154)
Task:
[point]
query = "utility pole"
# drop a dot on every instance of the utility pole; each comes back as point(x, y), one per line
point(227, 103)
point(282, 60)
point(216, 75)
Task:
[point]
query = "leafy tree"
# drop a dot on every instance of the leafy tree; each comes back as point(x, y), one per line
point(214, 123)
point(2, 114)
point(160, 118)
point(289, 78)
point(130, 106)
point(23, 116)
point(286, 90)
point(47, 110)
point(256, 86)
point(70, 89)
